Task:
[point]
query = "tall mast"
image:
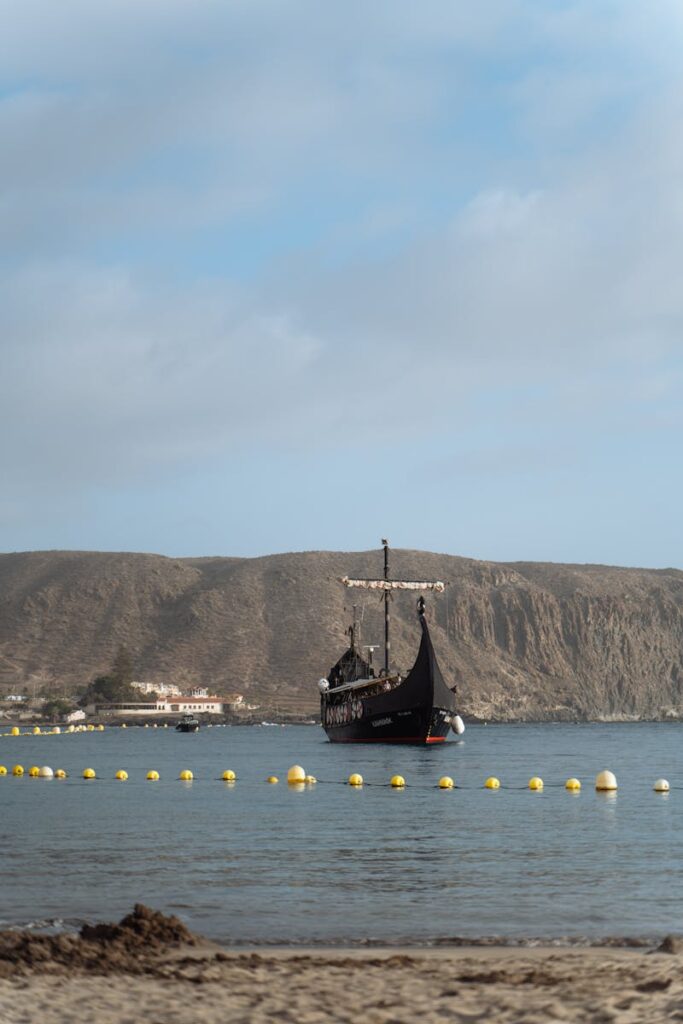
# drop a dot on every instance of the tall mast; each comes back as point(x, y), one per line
point(386, 585)
point(387, 642)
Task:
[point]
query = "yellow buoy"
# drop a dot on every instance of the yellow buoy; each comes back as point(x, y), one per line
point(573, 785)
point(123, 725)
point(228, 776)
point(17, 770)
point(296, 774)
point(605, 782)
point(492, 782)
point(15, 730)
point(91, 727)
point(355, 779)
point(3, 770)
point(661, 786)
point(89, 773)
point(121, 775)
point(100, 728)
point(186, 775)
point(536, 783)
point(36, 730)
point(152, 776)
point(60, 774)
point(34, 771)
point(446, 782)
point(311, 780)
point(272, 778)
point(397, 781)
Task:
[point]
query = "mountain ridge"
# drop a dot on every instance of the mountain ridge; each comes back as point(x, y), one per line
point(522, 640)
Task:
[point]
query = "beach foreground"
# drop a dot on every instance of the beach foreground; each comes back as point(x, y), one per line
point(149, 968)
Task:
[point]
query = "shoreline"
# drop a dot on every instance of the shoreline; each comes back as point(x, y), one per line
point(204, 986)
point(151, 968)
point(266, 720)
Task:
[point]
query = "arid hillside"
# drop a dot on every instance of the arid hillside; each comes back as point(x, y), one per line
point(523, 641)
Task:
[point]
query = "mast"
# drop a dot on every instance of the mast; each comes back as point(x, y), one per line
point(387, 642)
point(386, 585)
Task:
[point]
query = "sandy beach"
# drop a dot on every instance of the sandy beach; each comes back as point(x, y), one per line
point(143, 970)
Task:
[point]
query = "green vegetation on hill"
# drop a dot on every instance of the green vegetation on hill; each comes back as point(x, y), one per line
point(115, 687)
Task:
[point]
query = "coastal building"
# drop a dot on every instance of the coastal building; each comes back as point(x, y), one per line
point(196, 705)
point(235, 701)
point(127, 708)
point(180, 704)
point(162, 689)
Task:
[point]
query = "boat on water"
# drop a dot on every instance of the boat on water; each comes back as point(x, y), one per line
point(360, 705)
point(188, 723)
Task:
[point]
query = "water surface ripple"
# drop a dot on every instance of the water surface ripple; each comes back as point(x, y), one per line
point(252, 863)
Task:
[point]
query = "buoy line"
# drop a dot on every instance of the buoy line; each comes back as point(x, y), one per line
point(298, 778)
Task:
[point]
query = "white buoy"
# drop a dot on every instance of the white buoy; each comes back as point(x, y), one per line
point(457, 725)
point(46, 773)
point(661, 786)
point(605, 782)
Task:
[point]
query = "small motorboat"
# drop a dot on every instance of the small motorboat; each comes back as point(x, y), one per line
point(188, 723)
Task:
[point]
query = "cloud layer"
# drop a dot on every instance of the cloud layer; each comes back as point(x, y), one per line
point(243, 232)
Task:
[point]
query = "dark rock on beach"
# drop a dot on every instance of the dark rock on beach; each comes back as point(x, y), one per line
point(133, 946)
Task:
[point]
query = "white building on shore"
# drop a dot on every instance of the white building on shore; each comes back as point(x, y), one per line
point(176, 704)
point(162, 689)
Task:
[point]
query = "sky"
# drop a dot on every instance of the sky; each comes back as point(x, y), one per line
point(298, 276)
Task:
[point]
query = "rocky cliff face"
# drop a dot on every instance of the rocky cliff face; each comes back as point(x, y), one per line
point(523, 641)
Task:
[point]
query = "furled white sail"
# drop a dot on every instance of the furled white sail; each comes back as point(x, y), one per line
point(393, 584)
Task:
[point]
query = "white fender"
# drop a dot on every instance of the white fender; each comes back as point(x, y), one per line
point(457, 725)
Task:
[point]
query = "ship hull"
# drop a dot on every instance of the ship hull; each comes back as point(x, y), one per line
point(406, 726)
point(418, 710)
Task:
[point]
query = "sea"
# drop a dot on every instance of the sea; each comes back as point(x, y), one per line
point(252, 863)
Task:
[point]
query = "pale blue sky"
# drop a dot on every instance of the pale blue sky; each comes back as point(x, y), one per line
point(283, 276)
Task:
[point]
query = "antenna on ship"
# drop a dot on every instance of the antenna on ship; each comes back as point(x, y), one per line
point(354, 631)
point(370, 648)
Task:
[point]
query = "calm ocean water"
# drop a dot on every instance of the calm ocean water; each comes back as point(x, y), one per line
point(252, 862)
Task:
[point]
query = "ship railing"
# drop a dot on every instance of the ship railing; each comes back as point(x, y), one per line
point(358, 684)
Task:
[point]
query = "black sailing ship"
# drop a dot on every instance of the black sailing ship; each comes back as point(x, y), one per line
point(358, 705)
